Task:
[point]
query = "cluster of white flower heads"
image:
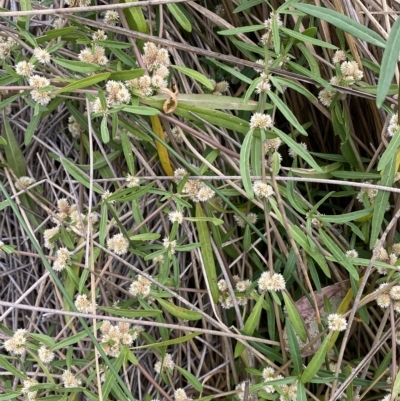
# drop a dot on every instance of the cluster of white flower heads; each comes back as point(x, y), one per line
point(116, 94)
point(111, 17)
point(385, 294)
point(195, 189)
point(252, 217)
point(156, 61)
point(350, 73)
point(271, 282)
point(260, 120)
point(27, 385)
point(118, 244)
point(69, 380)
point(24, 182)
point(114, 337)
point(288, 390)
point(6, 47)
point(95, 55)
point(336, 322)
point(62, 257)
point(45, 354)
point(240, 286)
point(176, 217)
point(17, 343)
point(180, 395)
point(167, 363)
point(219, 87)
point(84, 305)
point(394, 125)
point(268, 38)
point(140, 287)
point(262, 190)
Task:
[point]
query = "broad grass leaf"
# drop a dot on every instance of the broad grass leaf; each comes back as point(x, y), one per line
point(207, 253)
point(80, 176)
point(12, 150)
point(10, 395)
point(213, 220)
point(318, 359)
point(127, 75)
point(389, 62)
point(343, 22)
point(338, 254)
point(144, 111)
point(195, 75)
point(345, 218)
point(297, 148)
point(31, 128)
point(127, 150)
point(127, 60)
point(295, 318)
point(294, 348)
point(245, 166)
point(356, 175)
point(55, 34)
point(84, 83)
point(77, 66)
point(161, 149)
point(193, 380)
point(301, 392)
point(251, 324)
point(180, 16)
point(105, 133)
point(9, 367)
point(243, 29)
point(276, 36)
point(145, 237)
point(381, 202)
point(390, 151)
point(70, 340)
point(131, 313)
point(43, 338)
point(307, 39)
point(177, 311)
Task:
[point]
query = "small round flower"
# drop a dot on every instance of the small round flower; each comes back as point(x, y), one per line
point(325, 97)
point(180, 395)
point(204, 194)
point(262, 121)
point(293, 154)
point(84, 305)
point(243, 285)
point(61, 262)
point(43, 98)
point(106, 195)
point(74, 127)
point(158, 259)
point(351, 253)
point(69, 380)
point(38, 82)
point(239, 220)
point(166, 364)
point(262, 190)
point(180, 172)
point(176, 216)
point(263, 86)
point(16, 344)
point(27, 384)
point(169, 244)
point(339, 56)
point(274, 282)
point(132, 181)
point(395, 293)
point(48, 234)
point(42, 55)
point(24, 182)
point(140, 287)
point(45, 355)
point(99, 35)
point(336, 322)
point(118, 244)
point(24, 68)
point(111, 17)
point(222, 286)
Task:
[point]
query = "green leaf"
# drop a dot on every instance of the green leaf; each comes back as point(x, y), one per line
point(10, 395)
point(193, 380)
point(105, 134)
point(294, 347)
point(243, 29)
point(145, 237)
point(43, 338)
point(10, 368)
point(389, 62)
point(213, 220)
point(14, 156)
point(231, 70)
point(180, 17)
point(31, 128)
point(129, 194)
point(131, 313)
point(207, 253)
point(338, 254)
point(141, 110)
point(246, 5)
point(251, 324)
point(343, 22)
point(345, 218)
point(179, 312)
point(84, 83)
point(307, 39)
point(70, 340)
point(178, 340)
point(295, 318)
point(301, 392)
point(127, 75)
point(290, 117)
point(244, 164)
point(381, 202)
point(109, 383)
point(297, 87)
point(316, 362)
point(390, 151)
point(77, 66)
point(195, 75)
point(80, 176)
point(298, 149)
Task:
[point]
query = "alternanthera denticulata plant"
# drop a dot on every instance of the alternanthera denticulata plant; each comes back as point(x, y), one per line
point(191, 198)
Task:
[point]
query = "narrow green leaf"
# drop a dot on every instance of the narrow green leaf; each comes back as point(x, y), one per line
point(207, 253)
point(70, 340)
point(316, 362)
point(145, 237)
point(390, 151)
point(246, 5)
point(129, 194)
point(43, 338)
point(297, 87)
point(298, 149)
point(14, 156)
point(381, 202)
point(295, 318)
point(195, 75)
point(244, 164)
point(179, 312)
point(109, 383)
point(231, 70)
point(213, 220)
point(338, 254)
point(301, 392)
point(243, 29)
point(127, 75)
point(131, 313)
point(10, 395)
point(389, 62)
point(178, 340)
point(9, 367)
point(343, 22)
point(193, 380)
point(77, 66)
point(144, 111)
point(294, 348)
point(307, 39)
point(84, 83)
point(251, 324)
point(31, 128)
point(180, 16)
point(290, 117)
